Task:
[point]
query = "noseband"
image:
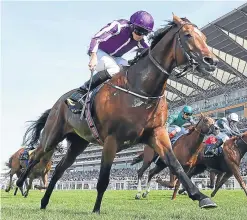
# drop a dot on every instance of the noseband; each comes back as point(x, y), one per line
point(211, 129)
point(191, 62)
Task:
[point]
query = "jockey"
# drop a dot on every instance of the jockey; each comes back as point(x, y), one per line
point(25, 155)
point(176, 121)
point(113, 41)
point(228, 128)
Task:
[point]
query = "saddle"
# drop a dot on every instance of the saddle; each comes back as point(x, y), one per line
point(77, 100)
point(76, 103)
point(209, 152)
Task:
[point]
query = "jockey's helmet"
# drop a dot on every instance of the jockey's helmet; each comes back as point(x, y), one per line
point(143, 22)
point(187, 110)
point(233, 117)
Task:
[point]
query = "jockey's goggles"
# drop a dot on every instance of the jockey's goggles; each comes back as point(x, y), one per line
point(188, 114)
point(141, 31)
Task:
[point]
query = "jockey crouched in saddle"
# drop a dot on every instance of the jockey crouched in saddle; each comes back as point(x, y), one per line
point(26, 153)
point(109, 45)
point(176, 121)
point(228, 128)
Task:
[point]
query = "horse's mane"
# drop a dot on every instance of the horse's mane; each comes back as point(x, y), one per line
point(154, 39)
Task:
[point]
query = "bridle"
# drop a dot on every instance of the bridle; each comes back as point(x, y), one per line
point(211, 129)
point(190, 60)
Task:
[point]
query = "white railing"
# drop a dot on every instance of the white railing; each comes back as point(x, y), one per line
point(201, 183)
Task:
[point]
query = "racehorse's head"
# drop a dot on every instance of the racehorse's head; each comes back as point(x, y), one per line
point(192, 43)
point(206, 125)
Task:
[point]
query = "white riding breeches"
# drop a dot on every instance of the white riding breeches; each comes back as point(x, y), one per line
point(174, 127)
point(223, 136)
point(109, 63)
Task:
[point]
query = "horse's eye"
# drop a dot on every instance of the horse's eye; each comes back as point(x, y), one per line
point(188, 35)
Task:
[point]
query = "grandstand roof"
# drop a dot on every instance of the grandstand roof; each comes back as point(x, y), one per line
point(227, 38)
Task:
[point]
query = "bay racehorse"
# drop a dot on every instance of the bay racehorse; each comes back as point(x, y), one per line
point(227, 164)
point(17, 166)
point(184, 148)
point(128, 109)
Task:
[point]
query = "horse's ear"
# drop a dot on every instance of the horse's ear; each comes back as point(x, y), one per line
point(202, 115)
point(177, 19)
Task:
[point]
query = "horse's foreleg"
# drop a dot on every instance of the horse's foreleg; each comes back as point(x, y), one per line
point(219, 177)
point(140, 172)
point(29, 186)
point(45, 180)
point(235, 170)
point(212, 180)
point(162, 145)
point(221, 182)
point(167, 184)
point(192, 172)
point(77, 146)
point(157, 169)
point(10, 182)
point(108, 155)
point(16, 190)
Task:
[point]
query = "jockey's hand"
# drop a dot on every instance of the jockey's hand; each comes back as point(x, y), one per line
point(93, 61)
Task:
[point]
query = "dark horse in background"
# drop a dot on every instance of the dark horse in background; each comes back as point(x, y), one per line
point(184, 148)
point(226, 165)
point(134, 112)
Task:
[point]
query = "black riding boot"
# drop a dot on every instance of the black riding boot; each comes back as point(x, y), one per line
point(212, 150)
point(98, 78)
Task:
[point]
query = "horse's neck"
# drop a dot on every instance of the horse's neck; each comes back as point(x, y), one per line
point(145, 77)
point(195, 138)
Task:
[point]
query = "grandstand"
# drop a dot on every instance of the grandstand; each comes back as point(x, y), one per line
point(217, 95)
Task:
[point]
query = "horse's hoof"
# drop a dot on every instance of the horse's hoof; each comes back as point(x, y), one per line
point(42, 207)
point(207, 203)
point(6, 190)
point(209, 186)
point(180, 191)
point(144, 195)
point(212, 194)
point(137, 196)
point(96, 212)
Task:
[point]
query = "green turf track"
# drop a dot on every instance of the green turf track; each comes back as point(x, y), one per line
point(77, 204)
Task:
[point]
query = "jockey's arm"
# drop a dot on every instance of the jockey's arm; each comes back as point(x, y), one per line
point(169, 121)
point(192, 121)
point(229, 130)
point(143, 43)
point(104, 34)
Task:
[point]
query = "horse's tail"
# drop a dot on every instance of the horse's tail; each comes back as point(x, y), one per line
point(32, 134)
point(137, 159)
point(8, 164)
